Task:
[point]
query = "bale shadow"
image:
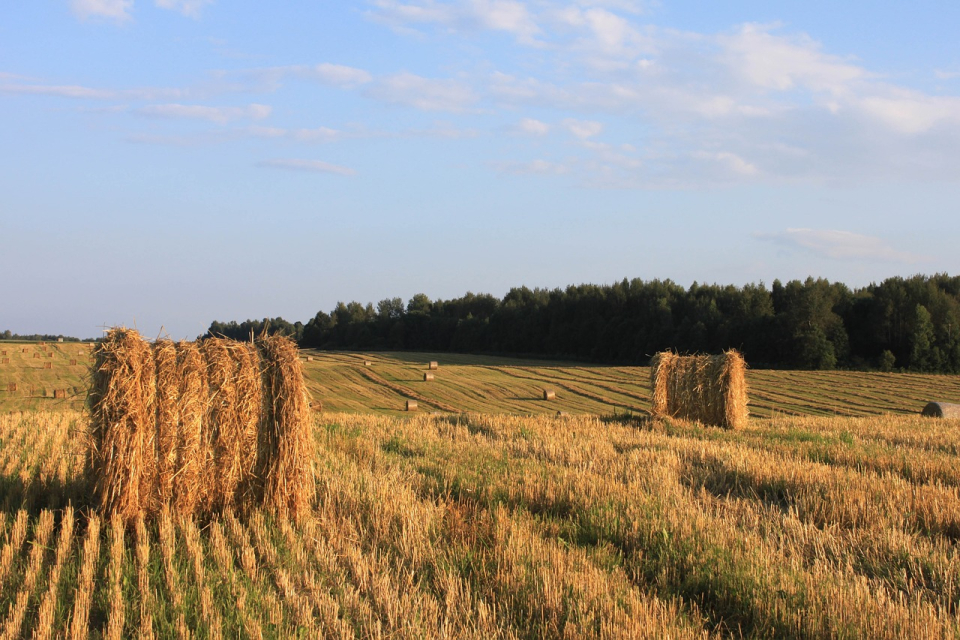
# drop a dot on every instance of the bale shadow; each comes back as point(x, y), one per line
point(35, 494)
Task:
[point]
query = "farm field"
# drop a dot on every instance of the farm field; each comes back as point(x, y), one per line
point(490, 526)
point(486, 384)
point(834, 513)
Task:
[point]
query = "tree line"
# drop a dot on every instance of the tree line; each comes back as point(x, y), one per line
point(901, 323)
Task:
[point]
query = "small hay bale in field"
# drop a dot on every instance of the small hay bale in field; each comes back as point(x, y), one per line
point(12, 387)
point(73, 361)
point(59, 393)
point(433, 366)
point(563, 414)
point(427, 377)
point(3, 353)
point(549, 394)
point(309, 358)
point(941, 410)
point(411, 405)
point(36, 355)
point(708, 389)
point(5, 361)
point(50, 355)
point(367, 363)
point(317, 405)
point(59, 339)
point(48, 365)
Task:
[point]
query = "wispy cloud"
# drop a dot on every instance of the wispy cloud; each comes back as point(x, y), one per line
point(92, 93)
point(314, 166)
point(532, 167)
point(508, 16)
point(532, 127)
point(839, 245)
point(189, 8)
point(220, 115)
point(428, 94)
point(118, 10)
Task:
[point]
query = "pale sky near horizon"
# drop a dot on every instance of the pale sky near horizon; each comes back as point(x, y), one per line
point(166, 163)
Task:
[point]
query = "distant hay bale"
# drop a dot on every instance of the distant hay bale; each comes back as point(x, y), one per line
point(411, 405)
point(309, 358)
point(199, 427)
point(36, 355)
point(48, 365)
point(73, 361)
point(50, 355)
point(367, 363)
point(941, 410)
point(549, 394)
point(59, 393)
point(316, 405)
point(433, 366)
point(3, 353)
point(708, 389)
point(5, 361)
point(427, 377)
point(12, 387)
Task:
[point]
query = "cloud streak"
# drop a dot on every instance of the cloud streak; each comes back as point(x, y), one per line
point(310, 166)
point(839, 245)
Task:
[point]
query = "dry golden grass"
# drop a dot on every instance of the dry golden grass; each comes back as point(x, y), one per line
point(492, 526)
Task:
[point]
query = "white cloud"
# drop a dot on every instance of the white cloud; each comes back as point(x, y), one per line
point(340, 75)
point(783, 63)
point(839, 245)
point(533, 167)
point(428, 94)
point(61, 91)
point(314, 166)
point(118, 10)
point(532, 127)
point(220, 115)
point(508, 16)
point(731, 161)
point(189, 8)
point(583, 129)
point(911, 112)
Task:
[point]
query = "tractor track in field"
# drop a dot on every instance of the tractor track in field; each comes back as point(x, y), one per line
point(407, 392)
point(565, 385)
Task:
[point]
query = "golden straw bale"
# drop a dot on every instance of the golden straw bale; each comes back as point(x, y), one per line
point(427, 377)
point(249, 410)
point(549, 394)
point(708, 389)
point(59, 393)
point(194, 459)
point(285, 443)
point(48, 365)
point(168, 417)
point(122, 422)
point(5, 361)
point(433, 366)
point(226, 433)
point(12, 387)
point(411, 405)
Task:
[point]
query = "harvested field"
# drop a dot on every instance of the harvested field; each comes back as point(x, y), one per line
point(507, 526)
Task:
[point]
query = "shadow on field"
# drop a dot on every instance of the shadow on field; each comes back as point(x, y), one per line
point(34, 494)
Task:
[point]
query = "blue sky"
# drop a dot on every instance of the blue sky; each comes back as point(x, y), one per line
point(165, 163)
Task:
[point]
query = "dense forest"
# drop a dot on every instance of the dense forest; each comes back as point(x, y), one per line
point(902, 323)
point(9, 335)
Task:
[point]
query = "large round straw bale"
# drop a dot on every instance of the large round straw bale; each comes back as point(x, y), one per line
point(194, 453)
point(428, 377)
point(168, 417)
point(285, 443)
point(411, 405)
point(249, 411)
point(941, 410)
point(549, 394)
point(709, 389)
point(123, 423)
point(223, 422)
point(433, 366)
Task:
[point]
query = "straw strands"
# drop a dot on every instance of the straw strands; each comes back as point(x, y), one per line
point(199, 427)
point(708, 389)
